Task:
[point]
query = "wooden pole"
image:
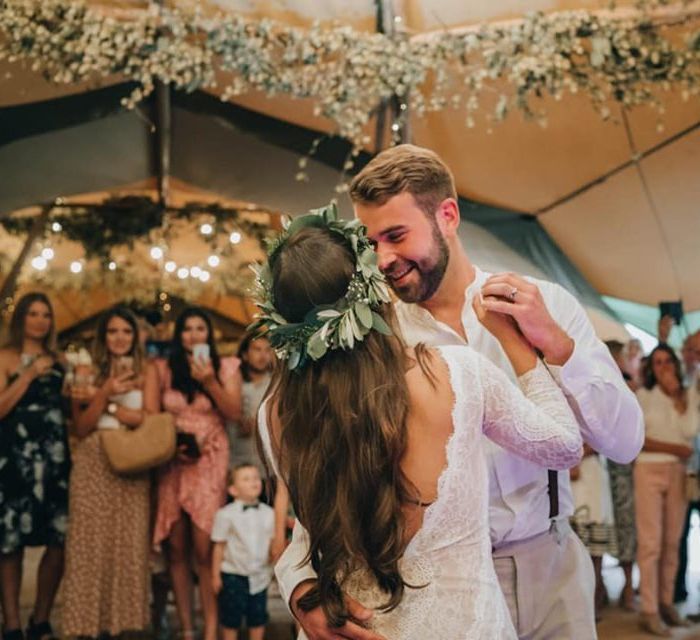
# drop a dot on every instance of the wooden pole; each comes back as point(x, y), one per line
point(37, 228)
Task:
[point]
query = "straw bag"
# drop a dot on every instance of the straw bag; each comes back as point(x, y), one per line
point(151, 444)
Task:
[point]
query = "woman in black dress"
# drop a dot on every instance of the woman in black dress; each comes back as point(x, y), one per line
point(34, 463)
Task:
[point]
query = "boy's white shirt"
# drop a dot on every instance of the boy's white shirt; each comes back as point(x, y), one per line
point(247, 534)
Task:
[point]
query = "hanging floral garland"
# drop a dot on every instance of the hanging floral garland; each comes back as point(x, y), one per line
point(625, 57)
point(121, 221)
point(106, 228)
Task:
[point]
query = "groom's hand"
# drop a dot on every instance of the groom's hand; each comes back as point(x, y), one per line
point(316, 625)
point(512, 295)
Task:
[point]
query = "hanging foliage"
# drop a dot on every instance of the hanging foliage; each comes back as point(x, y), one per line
point(619, 56)
point(121, 221)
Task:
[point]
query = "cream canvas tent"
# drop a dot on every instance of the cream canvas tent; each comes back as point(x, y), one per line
point(606, 207)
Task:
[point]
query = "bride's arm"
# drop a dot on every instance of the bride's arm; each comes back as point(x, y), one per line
point(539, 425)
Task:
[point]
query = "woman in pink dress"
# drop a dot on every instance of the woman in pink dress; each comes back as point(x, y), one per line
point(200, 390)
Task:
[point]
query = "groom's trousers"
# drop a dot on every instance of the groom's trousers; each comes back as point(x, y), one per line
point(549, 585)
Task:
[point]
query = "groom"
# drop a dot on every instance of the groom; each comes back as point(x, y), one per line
point(407, 199)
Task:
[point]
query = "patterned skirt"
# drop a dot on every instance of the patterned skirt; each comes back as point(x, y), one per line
point(622, 489)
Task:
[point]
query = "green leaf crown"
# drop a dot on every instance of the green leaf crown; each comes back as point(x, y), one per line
point(326, 327)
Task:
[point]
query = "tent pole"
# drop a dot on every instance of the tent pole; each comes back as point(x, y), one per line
point(163, 137)
point(163, 140)
point(393, 109)
point(10, 282)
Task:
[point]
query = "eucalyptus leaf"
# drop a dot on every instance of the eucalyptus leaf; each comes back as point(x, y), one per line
point(364, 314)
point(355, 327)
point(316, 347)
point(294, 359)
point(380, 325)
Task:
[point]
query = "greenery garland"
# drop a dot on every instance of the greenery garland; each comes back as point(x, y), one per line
point(623, 57)
point(121, 221)
point(331, 326)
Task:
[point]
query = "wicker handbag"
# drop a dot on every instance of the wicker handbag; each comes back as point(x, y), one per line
point(131, 451)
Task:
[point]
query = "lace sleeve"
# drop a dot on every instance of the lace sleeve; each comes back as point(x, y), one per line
point(538, 426)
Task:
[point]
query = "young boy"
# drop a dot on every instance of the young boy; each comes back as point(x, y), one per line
point(241, 570)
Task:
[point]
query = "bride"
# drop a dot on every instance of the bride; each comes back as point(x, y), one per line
point(381, 445)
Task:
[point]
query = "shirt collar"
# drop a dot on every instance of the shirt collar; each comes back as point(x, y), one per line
point(423, 316)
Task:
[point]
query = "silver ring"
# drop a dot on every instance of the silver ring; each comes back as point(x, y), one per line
point(513, 293)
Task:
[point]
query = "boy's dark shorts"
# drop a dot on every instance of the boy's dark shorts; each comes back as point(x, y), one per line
point(235, 603)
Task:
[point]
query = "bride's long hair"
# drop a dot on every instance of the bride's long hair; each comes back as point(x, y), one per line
point(343, 431)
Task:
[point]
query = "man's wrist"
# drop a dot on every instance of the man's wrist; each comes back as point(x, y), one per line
point(558, 349)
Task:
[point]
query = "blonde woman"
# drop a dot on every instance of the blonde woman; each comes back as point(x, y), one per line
point(106, 585)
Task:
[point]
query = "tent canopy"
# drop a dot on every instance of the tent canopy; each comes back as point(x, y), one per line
point(617, 197)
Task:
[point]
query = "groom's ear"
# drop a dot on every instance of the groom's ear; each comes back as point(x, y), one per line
point(447, 217)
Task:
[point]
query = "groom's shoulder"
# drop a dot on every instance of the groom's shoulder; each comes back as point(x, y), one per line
point(552, 292)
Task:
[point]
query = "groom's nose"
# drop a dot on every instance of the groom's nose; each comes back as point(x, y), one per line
point(385, 257)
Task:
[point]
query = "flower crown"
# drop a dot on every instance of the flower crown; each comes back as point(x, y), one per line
point(331, 326)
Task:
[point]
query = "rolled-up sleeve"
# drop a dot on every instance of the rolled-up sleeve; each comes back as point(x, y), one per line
point(607, 411)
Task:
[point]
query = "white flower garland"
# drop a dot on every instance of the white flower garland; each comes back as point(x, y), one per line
point(623, 57)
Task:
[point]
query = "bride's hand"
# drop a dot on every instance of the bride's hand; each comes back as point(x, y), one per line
point(500, 325)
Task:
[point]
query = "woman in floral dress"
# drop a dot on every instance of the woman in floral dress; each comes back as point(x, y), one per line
point(106, 590)
point(201, 391)
point(34, 463)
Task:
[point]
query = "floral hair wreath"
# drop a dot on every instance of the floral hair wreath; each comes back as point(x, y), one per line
point(325, 327)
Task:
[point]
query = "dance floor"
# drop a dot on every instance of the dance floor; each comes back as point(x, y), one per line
point(616, 624)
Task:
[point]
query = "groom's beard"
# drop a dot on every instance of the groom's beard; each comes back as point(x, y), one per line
point(430, 272)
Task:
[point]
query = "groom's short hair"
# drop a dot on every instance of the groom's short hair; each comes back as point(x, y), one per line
point(405, 168)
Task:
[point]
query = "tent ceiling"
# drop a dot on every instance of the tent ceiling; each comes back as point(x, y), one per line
point(577, 174)
point(629, 248)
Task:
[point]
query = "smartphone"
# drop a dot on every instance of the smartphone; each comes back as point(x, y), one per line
point(191, 445)
point(673, 309)
point(201, 352)
point(123, 366)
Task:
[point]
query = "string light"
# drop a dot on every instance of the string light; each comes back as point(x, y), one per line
point(206, 229)
point(213, 261)
point(156, 253)
point(235, 237)
point(39, 263)
point(76, 267)
point(170, 266)
point(56, 227)
point(112, 266)
point(195, 272)
point(47, 253)
point(183, 272)
point(204, 275)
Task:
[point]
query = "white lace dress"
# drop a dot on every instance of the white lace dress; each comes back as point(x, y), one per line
point(451, 553)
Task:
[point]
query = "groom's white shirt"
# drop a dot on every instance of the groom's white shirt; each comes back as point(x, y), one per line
point(607, 411)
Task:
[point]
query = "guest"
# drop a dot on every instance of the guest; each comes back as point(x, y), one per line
point(106, 585)
point(34, 463)
point(622, 493)
point(256, 358)
point(690, 355)
point(633, 361)
point(200, 392)
point(241, 570)
point(671, 422)
point(593, 518)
